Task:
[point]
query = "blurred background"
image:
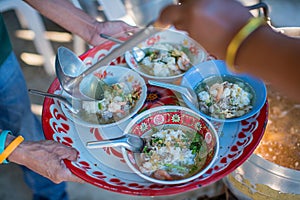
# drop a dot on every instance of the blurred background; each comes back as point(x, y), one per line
point(35, 46)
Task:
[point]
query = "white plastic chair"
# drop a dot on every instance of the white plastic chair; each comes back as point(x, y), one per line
point(116, 10)
point(113, 10)
point(30, 18)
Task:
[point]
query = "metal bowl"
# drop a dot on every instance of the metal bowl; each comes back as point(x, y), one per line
point(259, 179)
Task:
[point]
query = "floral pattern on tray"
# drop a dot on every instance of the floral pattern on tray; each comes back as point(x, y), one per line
point(106, 168)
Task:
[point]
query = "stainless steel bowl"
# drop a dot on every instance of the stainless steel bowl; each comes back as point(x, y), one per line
point(260, 179)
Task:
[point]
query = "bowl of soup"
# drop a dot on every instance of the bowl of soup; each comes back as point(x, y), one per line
point(223, 95)
point(124, 94)
point(180, 145)
point(168, 55)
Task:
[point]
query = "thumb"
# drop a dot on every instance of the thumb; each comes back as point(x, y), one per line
point(70, 154)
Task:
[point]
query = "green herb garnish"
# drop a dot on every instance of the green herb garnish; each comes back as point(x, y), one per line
point(196, 144)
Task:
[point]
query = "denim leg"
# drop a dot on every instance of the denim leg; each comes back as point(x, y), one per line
point(15, 111)
point(16, 115)
point(43, 188)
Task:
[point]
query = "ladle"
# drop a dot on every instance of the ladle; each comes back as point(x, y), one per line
point(187, 92)
point(131, 142)
point(70, 70)
point(138, 53)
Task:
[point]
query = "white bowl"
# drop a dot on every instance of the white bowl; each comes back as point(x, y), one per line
point(175, 118)
point(192, 49)
point(112, 75)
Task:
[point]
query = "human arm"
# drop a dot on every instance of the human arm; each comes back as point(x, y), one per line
point(266, 53)
point(44, 157)
point(65, 14)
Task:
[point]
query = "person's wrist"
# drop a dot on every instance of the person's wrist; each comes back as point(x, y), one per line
point(18, 154)
point(94, 35)
point(3, 142)
point(10, 144)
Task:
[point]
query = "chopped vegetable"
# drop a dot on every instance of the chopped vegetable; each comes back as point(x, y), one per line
point(172, 154)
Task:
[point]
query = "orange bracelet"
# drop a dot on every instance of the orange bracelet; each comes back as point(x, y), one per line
point(10, 148)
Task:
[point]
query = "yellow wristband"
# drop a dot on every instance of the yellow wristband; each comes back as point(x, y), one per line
point(10, 148)
point(237, 40)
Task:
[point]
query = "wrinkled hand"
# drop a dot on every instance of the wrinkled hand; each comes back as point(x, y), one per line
point(212, 23)
point(46, 158)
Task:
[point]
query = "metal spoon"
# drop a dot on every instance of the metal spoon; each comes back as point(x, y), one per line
point(67, 102)
point(71, 71)
point(74, 105)
point(131, 142)
point(138, 53)
point(187, 92)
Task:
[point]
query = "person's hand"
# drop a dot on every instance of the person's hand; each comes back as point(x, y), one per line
point(212, 23)
point(111, 28)
point(46, 158)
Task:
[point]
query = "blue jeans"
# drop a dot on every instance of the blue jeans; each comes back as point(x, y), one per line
point(16, 115)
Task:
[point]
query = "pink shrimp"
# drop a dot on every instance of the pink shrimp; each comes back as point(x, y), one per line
point(161, 175)
point(183, 62)
point(219, 88)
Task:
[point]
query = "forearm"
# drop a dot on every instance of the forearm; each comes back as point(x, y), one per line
point(66, 15)
point(273, 57)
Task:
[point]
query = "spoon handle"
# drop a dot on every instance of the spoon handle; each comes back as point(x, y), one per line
point(137, 53)
point(121, 49)
point(108, 37)
point(115, 142)
point(64, 100)
point(46, 94)
point(190, 95)
point(130, 142)
point(174, 87)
